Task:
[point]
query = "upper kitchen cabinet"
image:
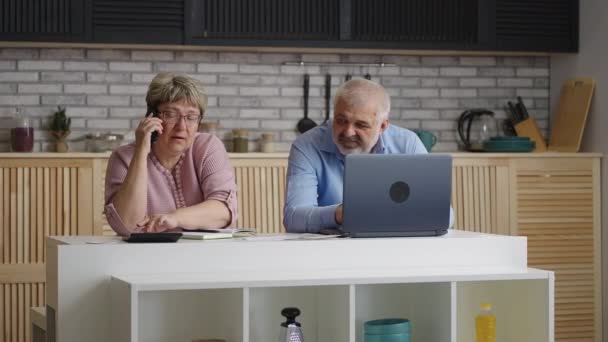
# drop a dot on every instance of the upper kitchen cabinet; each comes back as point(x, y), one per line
point(42, 20)
point(537, 25)
point(313, 23)
point(137, 21)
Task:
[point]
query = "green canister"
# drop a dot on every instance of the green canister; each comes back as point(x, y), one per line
point(387, 330)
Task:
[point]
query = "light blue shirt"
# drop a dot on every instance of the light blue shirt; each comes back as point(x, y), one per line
point(315, 175)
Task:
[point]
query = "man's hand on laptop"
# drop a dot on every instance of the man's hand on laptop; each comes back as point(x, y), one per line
point(339, 214)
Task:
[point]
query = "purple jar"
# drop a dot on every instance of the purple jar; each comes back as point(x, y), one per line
point(22, 135)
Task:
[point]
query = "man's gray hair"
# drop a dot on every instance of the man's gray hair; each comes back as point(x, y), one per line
point(357, 92)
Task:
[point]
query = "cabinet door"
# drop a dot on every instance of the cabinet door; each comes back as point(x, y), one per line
point(416, 23)
point(263, 22)
point(42, 20)
point(537, 25)
point(38, 198)
point(138, 21)
point(480, 195)
point(556, 205)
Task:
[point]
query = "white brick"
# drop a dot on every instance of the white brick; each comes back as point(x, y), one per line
point(289, 135)
point(175, 67)
point(77, 123)
point(533, 92)
point(399, 81)
point(497, 92)
point(8, 88)
point(86, 89)
point(439, 103)
point(260, 113)
point(145, 55)
point(477, 82)
point(108, 100)
point(541, 83)
point(438, 82)
point(38, 111)
point(402, 60)
point(320, 58)
point(108, 54)
point(85, 66)
point(211, 101)
point(354, 58)
point(277, 58)
point(419, 92)
point(240, 123)
point(282, 146)
point(236, 57)
point(293, 113)
point(258, 91)
point(301, 70)
point(61, 54)
point(419, 114)
point(18, 76)
point(500, 72)
point(104, 77)
point(88, 112)
point(298, 91)
point(239, 102)
point(239, 79)
point(62, 76)
point(63, 100)
point(138, 101)
point(130, 66)
point(458, 72)
point(477, 61)
point(541, 103)
point(478, 103)
point(221, 90)
point(515, 82)
point(404, 103)
point(439, 60)
point(205, 79)
point(108, 124)
point(259, 69)
point(142, 78)
point(127, 112)
point(283, 80)
point(409, 124)
point(450, 114)
point(196, 56)
point(385, 71)
point(277, 124)
point(516, 61)
point(40, 88)
point(445, 147)
point(8, 65)
point(39, 65)
point(220, 114)
point(409, 71)
point(449, 136)
point(532, 72)
point(280, 102)
point(128, 89)
point(19, 53)
point(438, 124)
point(217, 67)
point(18, 100)
point(447, 92)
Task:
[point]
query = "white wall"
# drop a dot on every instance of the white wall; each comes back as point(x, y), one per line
point(592, 60)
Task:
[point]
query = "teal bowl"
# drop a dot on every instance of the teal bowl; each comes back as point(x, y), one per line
point(387, 330)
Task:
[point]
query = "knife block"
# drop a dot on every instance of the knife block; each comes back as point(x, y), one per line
point(529, 128)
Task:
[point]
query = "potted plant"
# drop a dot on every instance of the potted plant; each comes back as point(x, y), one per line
point(60, 129)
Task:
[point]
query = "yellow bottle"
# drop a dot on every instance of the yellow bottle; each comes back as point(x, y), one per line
point(485, 324)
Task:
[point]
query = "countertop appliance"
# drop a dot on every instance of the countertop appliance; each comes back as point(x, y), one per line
point(476, 126)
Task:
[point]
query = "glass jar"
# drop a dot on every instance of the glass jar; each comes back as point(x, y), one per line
point(240, 140)
point(208, 127)
point(266, 145)
point(22, 134)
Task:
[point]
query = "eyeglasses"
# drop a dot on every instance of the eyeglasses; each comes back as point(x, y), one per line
point(173, 117)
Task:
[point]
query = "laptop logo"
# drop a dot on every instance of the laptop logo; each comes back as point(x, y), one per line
point(399, 192)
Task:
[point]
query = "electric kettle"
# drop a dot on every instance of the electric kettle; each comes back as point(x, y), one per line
point(476, 126)
point(291, 331)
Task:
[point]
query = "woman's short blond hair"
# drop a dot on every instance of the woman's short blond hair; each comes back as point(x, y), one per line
point(167, 87)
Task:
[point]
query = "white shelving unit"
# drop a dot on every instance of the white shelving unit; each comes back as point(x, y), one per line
point(185, 307)
point(235, 289)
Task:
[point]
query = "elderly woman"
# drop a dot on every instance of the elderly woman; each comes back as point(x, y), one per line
point(178, 179)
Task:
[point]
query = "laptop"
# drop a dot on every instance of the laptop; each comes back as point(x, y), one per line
point(396, 195)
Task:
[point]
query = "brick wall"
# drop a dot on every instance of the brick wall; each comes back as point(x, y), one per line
point(104, 90)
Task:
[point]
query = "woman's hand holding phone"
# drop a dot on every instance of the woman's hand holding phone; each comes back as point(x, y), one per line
point(144, 131)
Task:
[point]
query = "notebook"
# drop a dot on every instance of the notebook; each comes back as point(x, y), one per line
point(396, 195)
point(194, 235)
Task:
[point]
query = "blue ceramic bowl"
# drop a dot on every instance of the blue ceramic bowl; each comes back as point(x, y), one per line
point(387, 330)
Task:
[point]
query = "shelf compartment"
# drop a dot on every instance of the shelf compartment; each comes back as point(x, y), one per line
point(324, 312)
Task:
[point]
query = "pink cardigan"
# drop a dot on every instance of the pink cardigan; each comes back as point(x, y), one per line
point(203, 172)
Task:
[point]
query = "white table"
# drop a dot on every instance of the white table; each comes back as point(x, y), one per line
point(234, 289)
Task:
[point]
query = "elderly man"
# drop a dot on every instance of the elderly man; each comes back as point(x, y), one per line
point(316, 160)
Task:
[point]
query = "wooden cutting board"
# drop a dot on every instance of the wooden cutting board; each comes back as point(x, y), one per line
point(574, 103)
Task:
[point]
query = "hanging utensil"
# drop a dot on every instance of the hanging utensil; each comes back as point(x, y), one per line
point(367, 76)
point(347, 77)
point(305, 123)
point(327, 96)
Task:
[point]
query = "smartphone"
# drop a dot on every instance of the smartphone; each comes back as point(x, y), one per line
point(154, 135)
